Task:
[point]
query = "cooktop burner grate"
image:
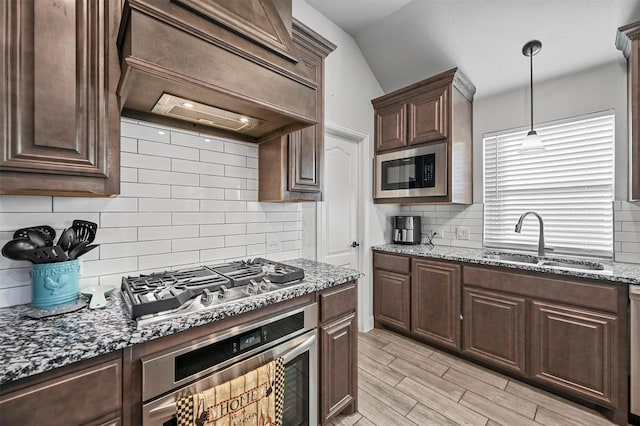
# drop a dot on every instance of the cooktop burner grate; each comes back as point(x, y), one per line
point(169, 290)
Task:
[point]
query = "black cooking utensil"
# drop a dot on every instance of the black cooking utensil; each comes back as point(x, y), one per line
point(85, 230)
point(49, 234)
point(48, 254)
point(77, 249)
point(67, 239)
point(37, 237)
point(80, 250)
point(17, 249)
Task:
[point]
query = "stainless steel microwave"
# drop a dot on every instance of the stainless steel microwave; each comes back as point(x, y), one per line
point(413, 172)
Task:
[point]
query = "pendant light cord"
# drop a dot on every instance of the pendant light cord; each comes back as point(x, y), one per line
point(531, 83)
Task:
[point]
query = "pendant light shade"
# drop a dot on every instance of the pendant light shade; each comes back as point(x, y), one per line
point(532, 143)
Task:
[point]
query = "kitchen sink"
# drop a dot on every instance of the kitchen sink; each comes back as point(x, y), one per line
point(512, 257)
point(583, 265)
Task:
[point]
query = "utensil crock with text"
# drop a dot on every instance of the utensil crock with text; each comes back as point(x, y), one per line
point(54, 284)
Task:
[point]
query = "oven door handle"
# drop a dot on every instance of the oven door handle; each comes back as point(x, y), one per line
point(300, 349)
point(169, 407)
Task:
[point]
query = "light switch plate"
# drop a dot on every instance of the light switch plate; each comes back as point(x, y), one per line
point(462, 232)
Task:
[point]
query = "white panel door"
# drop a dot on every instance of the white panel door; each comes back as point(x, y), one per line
point(340, 212)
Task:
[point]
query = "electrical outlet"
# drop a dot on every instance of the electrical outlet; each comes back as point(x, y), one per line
point(462, 232)
point(273, 246)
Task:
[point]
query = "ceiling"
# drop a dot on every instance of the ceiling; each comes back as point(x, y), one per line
point(405, 41)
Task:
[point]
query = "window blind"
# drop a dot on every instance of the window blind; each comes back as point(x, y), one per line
point(570, 185)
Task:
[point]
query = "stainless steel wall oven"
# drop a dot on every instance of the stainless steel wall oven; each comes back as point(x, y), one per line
point(223, 356)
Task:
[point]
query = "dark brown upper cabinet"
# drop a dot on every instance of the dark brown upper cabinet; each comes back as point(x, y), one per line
point(438, 109)
point(628, 41)
point(224, 67)
point(430, 110)
point(59, 116)
point(290, 166)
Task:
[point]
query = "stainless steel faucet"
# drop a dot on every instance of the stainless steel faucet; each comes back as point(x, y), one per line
point(540, 237)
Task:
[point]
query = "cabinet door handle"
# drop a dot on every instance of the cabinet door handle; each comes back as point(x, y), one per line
point(355, 244)
point(461, 317)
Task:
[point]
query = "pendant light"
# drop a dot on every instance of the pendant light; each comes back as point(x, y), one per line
point(532, 143)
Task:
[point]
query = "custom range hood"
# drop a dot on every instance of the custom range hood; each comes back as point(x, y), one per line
point(225, 67)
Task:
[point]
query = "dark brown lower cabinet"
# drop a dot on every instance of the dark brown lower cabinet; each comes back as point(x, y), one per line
point(338, 357)
point(338, 387)
point(575, 350)
point(87, 393)
point(495, 329)
point(435, 302)
point(392, 299)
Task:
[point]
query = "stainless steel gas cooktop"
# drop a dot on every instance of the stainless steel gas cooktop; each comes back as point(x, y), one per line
point(170, 294)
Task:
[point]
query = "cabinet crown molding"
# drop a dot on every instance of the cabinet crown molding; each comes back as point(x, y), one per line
point(625, 36)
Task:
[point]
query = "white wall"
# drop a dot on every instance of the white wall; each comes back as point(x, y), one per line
point(349, 87)
point(186, 199)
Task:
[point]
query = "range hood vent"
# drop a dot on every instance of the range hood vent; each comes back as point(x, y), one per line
point(207, 115)
point(240, 83)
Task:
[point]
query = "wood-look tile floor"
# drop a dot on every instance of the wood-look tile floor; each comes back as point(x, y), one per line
point(403, 382)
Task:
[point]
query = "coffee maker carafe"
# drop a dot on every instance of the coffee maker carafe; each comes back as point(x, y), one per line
point(406, 230)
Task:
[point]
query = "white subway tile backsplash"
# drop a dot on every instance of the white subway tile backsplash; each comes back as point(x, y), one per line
point(626, 235)
point(240, 194)
point(252, 163)
point(109, 266)
point(108, 220)
point(189, 166)
point(144, 132)
point(283, 216)
point(197, 193)
point(141, 190)
point(220, 254)
point(253, 228)
point(226, 229)
point(164, 205)
point(252, 184)
point(246, 149)
point(200, 218)
point(223, 158)
point(222, 206)
point(13, 221)
point(146, 233)
point(117, 235)
point(110, 251)
point(161, 262)
point(128, 174)
point(141, 161)
point(256, 250)
point(223, 182)
point(162, 177)
point(186, 199)
point(165, 150)
point(24, 203)
point(254, 206)
point(187, 244)
point(128, 145)
point(243, 240)
point(245, 217)
point(240, 172)
point(72, 204)
point(196, 141)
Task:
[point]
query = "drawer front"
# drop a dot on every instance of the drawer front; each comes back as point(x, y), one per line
point(391, 262)
point(84, 397)
point(585, 294)
point(338, 302)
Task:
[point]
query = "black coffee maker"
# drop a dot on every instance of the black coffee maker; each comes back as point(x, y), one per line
point(406, 230)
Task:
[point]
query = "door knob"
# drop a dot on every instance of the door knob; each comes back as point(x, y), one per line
point(355, 244)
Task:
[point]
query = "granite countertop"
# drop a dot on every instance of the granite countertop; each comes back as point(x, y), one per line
point(30, 346)
point(624, 273)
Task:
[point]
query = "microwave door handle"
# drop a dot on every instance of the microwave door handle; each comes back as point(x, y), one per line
point(300, 349)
